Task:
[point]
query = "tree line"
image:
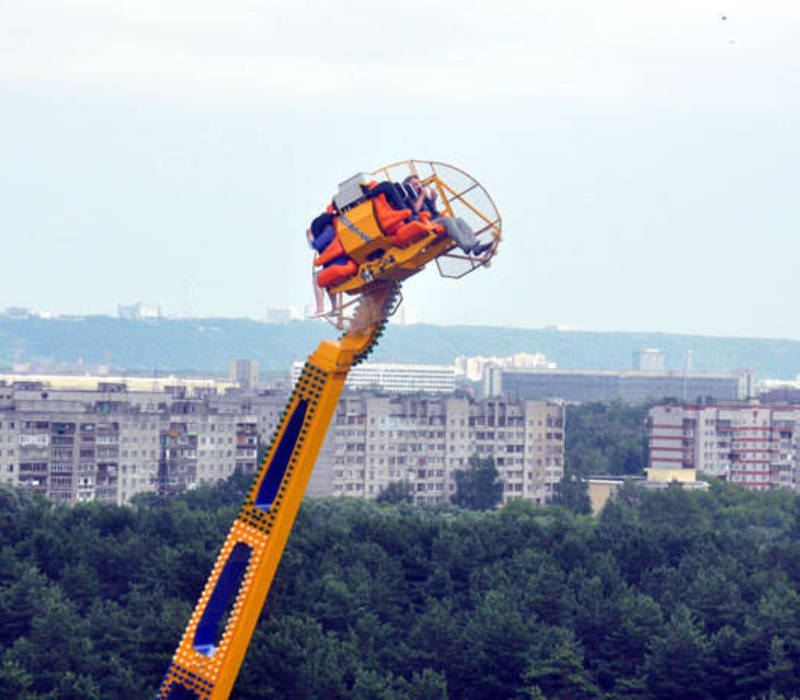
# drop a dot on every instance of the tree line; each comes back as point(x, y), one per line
point(668, 594)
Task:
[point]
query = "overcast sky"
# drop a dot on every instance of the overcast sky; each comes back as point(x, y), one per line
point(643, 154)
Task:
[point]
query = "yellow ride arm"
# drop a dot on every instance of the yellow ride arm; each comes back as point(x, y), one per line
point(207, 661)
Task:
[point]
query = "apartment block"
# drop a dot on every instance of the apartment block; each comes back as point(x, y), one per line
point(605, 385)
point(397, 377)
point(244, 372)
point(375, 440)
point(110, 444)
point(747, 443)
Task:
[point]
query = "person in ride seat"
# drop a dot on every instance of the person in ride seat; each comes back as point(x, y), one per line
point(320, 235)
point(319, 295)
point(454, 226)
point(387, 189)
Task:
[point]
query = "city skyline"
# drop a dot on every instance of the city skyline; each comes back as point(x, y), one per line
point(264, 317)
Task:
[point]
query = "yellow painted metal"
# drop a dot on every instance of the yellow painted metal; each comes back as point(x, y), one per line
point(400, 263)
point(207, 670)
point(361, 218)
point(211, 673)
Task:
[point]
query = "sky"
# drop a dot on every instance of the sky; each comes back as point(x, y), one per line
point(643, 155)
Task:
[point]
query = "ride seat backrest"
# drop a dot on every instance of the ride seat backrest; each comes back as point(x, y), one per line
point(412, 231)
point(338, 270)
point(388, 189)
point(388, 218)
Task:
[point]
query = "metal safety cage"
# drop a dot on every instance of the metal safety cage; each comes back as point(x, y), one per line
point(459, 195)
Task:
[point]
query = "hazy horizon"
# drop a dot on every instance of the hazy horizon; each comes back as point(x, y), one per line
point(643, 157)
point(264, 320)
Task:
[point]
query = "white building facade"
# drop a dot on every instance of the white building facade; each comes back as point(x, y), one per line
point(396, 377)
point(376, 440)
point(750, 444)
point(110, 444)
point(473, 368)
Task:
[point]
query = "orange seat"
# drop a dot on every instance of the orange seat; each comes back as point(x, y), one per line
point(433, 227)
point(336, 273)
point(334, 250)
point(412, 231)
point(388, 219)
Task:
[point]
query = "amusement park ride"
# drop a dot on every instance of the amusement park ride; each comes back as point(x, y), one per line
point(373, 240)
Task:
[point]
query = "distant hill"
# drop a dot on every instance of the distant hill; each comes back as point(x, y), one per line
point(206, 345)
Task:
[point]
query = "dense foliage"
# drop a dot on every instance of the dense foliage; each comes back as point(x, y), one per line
point(478, 486)
point(669, 594)
point(206, 344)
point(396, 492)
point(606, 437)
point(572, 493)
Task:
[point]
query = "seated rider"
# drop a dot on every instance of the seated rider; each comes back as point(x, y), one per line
point(319, 237)
point(318, 293)
point(454, 226)
point(388, 189)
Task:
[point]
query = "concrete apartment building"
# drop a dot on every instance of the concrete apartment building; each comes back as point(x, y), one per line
point(396, 377)
point(604, 385)
point(244, 373)
point(109, 444)
point(747, 443)
point(376, 440)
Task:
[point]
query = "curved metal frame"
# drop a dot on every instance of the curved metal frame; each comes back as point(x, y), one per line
point(492, 223)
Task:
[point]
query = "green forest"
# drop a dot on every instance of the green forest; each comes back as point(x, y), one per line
point(606, 437)
point(666, 594)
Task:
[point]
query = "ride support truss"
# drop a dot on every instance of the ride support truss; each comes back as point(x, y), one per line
point(207, 660)
point(215, 641)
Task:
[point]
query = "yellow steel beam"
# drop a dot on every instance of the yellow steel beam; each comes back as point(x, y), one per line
point(207, 660)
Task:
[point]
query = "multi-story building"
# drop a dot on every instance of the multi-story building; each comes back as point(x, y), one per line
point(138, 311)
point(265, 406)
point(473, 368)
point(423, 440)
point(746, 443)
point(192, 385)
point(603, 385)
point(244, 373)
point(779, 390)
point(111, 443)
point(397, 378)
point(649, 360)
